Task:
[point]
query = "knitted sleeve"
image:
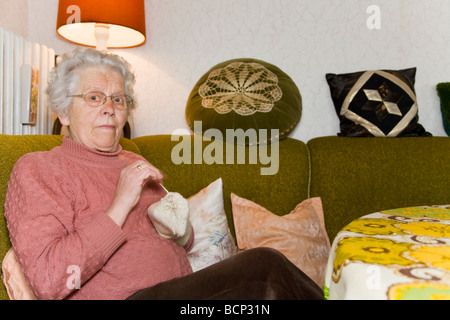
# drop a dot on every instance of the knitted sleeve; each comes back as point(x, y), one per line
point(56, 258)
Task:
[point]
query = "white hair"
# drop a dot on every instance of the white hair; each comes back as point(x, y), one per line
point(64, 78)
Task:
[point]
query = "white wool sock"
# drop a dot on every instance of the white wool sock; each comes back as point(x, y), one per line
point(170, 216)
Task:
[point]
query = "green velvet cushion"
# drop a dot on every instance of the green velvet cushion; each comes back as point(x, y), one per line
point(279, 193)
point(443, 90)
point(12, 148)
point(245, 94)
point(358, 176)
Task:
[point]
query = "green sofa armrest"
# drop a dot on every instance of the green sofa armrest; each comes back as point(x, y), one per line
point(11, 149)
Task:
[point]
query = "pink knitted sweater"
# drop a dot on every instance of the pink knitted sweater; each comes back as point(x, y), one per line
point(55, 207)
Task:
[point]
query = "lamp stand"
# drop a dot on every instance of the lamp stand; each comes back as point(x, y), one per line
point(101, 35)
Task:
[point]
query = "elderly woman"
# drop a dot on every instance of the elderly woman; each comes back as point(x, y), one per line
point(81, 208)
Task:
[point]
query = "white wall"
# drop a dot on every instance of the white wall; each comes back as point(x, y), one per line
point(14, 16)
point(304, 38)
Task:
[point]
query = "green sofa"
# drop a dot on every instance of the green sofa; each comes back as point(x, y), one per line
point(353, 176)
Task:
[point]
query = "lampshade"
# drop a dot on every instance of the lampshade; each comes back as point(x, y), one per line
point(102, 23)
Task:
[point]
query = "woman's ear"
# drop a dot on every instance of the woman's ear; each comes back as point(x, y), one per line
point(64, 119)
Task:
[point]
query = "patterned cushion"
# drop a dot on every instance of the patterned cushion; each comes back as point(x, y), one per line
point(245, 94)
point(379, 103)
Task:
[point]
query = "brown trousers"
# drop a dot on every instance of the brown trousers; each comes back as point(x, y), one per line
point(256, 274)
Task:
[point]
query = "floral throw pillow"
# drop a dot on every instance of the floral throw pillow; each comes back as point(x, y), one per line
point(213, 241)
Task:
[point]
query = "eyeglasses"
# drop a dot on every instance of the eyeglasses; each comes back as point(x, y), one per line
point(96, 99)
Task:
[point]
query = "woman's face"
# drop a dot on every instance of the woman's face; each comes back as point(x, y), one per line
point(98, 128)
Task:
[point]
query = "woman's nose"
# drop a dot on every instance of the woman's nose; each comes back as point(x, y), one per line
point(108, 107)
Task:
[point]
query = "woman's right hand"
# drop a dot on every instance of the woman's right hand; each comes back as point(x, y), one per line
point(129, 187)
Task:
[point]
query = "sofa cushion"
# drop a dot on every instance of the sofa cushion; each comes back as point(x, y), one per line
point(14, 279)
point(300, 235)
point(443, 90)
point(245, 94)
point(379, 103)
point(212, 238)
point(355, 177)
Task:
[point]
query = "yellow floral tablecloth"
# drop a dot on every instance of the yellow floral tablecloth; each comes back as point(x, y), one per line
point(394, 254)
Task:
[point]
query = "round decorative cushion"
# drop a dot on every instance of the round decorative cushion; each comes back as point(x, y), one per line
point(245, 94)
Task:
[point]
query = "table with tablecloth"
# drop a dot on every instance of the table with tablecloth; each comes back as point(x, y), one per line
point(397, 254)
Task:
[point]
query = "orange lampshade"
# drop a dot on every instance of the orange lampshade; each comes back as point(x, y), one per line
point(122, 20)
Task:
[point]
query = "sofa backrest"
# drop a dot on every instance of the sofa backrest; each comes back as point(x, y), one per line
point(359, 176)
point(279, 193)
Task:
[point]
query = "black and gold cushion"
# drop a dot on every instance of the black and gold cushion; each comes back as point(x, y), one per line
point(245, 94)
point(380, 103)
